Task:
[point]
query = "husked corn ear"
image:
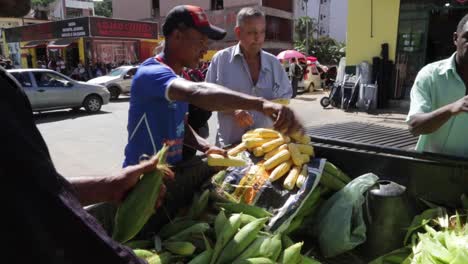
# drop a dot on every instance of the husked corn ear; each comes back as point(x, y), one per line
point(249, 134)
point(305, 158)
point(237, 149)
point(286, 139)
point(291, 179)
point(283, 101)
point(300, 138)
point(306, 149)
point(280, 170)
point(276, 150)
point(221, 161)
point(267, 133)
point(295, 154)
point(278, 158)
point(302, 176)
point(269, 146)
point(258, 151)
point(252, 143)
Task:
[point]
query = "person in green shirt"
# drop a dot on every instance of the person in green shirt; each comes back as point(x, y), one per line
point(439, 103)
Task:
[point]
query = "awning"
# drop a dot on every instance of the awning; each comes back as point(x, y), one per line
point(35, 44)
point(61, 43)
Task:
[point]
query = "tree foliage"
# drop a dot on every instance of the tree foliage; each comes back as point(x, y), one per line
point(43, 3)
point(103, 8)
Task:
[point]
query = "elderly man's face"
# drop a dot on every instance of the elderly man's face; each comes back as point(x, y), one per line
point(251, 33)
point(461, 42)
point(14, 8)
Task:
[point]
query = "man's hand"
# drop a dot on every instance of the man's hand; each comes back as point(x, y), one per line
point(215, 150)
point(243, 118)
point(459, 106)
point(123, 182)
point(285, 120)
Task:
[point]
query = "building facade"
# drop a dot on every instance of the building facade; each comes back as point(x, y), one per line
point(331, 16)
point(65, 9)
point(279, 16)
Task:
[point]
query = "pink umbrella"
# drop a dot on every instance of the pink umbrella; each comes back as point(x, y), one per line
point(312, 59)
point(289, 54)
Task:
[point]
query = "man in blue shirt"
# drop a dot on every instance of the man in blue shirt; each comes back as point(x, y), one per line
point(160, 98)
point(246, 68)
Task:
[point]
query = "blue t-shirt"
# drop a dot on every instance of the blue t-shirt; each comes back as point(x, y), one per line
point(152, 119)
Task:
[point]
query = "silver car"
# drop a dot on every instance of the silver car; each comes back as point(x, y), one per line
point(118, 81)
point(50, 90)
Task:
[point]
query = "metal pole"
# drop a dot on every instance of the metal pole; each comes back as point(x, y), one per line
point(307, 29)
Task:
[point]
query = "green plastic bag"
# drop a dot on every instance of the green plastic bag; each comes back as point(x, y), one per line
point(340, 223)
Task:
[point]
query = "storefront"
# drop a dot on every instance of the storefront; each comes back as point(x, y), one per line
point(86, 40)
point(417, 32)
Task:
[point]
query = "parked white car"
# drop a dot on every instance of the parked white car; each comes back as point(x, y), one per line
point(118, 81)
point(50, 90)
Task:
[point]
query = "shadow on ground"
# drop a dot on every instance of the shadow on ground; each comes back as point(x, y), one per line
point(56, 116)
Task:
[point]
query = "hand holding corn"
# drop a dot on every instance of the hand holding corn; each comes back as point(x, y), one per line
point(285, 120)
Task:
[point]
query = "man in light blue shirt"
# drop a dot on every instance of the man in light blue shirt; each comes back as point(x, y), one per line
point(246, 68)
point(439, 101)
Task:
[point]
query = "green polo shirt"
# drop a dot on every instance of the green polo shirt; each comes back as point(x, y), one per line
point(437, 85)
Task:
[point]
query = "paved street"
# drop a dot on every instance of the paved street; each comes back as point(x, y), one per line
point(91, 145)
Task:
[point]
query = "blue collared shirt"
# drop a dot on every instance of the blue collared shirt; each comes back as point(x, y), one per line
point(229, 68)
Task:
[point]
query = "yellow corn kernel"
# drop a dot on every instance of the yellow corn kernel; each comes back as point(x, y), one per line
point(305, 158)
point(302, 176)
point(267, 133)
point(249, 134)
point(278, 158)
point(299, 137)
point(258, 151)
point(252, 143)
point(291, 179)
point(276, 150)
point(306, 149)
point(269, 146)
point(237, 149)
point(283, 101)
point(221, 161)
point(295, 154)
point(280, 170)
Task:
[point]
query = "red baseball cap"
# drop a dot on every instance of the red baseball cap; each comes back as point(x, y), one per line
point(194, 17)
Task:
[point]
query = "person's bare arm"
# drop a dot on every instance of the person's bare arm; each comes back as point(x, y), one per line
point(214, 97)
point(426, 123)
point(195, 141)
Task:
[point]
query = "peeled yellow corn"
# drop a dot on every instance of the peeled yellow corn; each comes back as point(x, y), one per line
point(305, 158)
point(269, 146)
point(282, 101)
point(276, 150)
point(291, 179)
point(267, 133)
point(221, 161)
point(252, 143)
point(238, 149)
point(300, 138)
point(278, 158)
point(249, 134)
point(280, 170)
point(302, 176)
point(295, 154)
point(306, 149)
point(258, 151)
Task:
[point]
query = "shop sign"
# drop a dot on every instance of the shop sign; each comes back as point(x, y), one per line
point(73, 28)
point(104, 27)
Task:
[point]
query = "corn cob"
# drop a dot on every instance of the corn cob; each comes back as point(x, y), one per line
point(292, 254)
point(308, 260)
point(221, 161)
point(278, 158)
point(305, 158)
point(175, 226)
point(258, 151)
point(267, 133)
point(163, 258)
point(306, 149)
point(280, 170)
point(252, 251)
point(139, 244)
point(333, 170)
point(138, 206)
point(249, 134)
point(219, 223)
point(269, 146)
point(203, 257)
point(295, 154)
point(286, 139)
point(271, 248)
point(237, 149)
point(227, 232)
point(184, 234)
point(302, 176)
point(291, 179)
point(246, 218)
point(283, 101)
point(259, 260)
point(179, 247)
point(219, 177)
point(241, 240)
point(252, 143)
point(252, 210)
point(299, 137)
point(275, 151)
point(330, 181)
point(142, 253)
